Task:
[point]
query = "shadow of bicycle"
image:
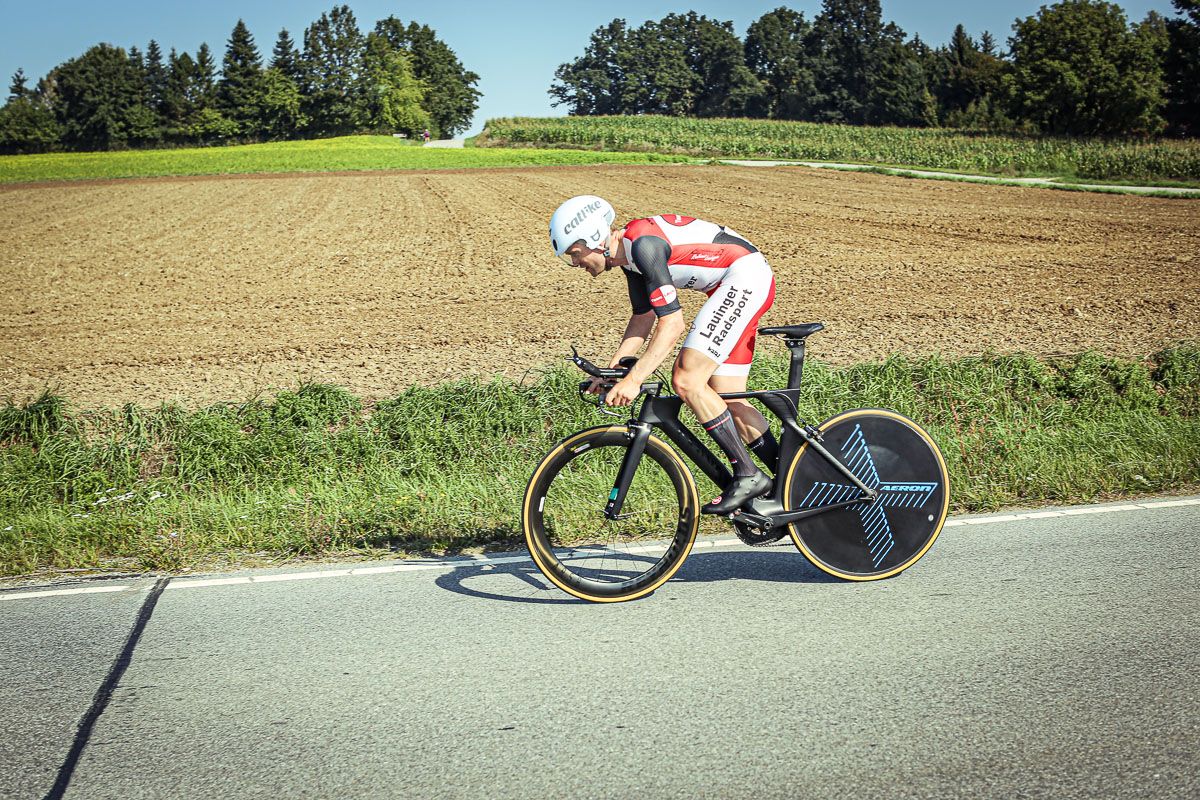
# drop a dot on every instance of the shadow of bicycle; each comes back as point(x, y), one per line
point(524, 583)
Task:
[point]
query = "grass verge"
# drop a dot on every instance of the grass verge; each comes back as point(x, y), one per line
point(346, 153)
point(316, 472)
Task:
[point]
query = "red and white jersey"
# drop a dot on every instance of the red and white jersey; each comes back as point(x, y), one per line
point(701, 251)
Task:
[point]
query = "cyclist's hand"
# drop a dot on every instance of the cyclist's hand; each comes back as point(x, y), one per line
point(624, 393)
point(597, 387)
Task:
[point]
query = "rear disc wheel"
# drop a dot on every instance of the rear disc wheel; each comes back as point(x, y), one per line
point(869, 540)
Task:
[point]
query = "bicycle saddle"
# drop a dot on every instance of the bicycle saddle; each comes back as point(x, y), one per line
point(793, 331)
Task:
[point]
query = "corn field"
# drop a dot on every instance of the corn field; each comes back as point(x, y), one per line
point(936, 148)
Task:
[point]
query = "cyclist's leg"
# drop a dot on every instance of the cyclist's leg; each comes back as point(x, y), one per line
point(693, 370)
point(718, 329)
point(749, 421)
point(749, 277)
point(751, 424)
point(691, 376)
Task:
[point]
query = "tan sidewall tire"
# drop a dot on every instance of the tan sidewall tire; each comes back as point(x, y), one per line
point(542, 558)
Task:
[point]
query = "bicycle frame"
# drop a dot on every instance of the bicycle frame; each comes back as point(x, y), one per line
point(765, 513)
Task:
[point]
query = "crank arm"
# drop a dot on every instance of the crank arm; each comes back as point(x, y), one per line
point(766, 523)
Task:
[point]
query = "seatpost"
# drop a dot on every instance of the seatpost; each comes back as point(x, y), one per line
point(796, 369)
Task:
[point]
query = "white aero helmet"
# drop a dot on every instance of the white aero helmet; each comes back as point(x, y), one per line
point(587, 218)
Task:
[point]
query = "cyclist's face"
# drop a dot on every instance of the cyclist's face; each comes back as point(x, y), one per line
point(580, 255)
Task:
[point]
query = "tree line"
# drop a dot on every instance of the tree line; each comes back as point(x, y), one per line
point(1075, 68)
point(395, 78)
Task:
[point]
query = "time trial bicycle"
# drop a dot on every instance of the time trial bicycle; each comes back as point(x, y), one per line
point(611, 512)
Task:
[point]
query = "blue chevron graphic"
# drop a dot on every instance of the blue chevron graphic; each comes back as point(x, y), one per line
point(856, 455)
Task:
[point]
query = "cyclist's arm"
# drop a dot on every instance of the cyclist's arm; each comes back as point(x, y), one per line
point(657, 297)
point(666, 335)
point(636, 334)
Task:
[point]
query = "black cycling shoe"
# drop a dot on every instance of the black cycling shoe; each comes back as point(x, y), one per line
point(738, 493)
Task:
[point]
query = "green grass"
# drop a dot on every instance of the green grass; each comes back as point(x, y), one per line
point(350, 153)
point(933, 148)
point(314, 472)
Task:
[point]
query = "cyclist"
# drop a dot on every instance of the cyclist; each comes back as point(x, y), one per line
point(659, 255)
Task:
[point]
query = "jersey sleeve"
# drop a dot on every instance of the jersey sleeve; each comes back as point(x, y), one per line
point(639, 295)
point(651, 255)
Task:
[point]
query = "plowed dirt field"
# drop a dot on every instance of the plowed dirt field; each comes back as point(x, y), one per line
point(218, 288)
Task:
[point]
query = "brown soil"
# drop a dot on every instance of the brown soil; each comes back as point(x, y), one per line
point(216, 289)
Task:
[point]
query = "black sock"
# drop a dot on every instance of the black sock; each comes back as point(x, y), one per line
point(725, 434)
point(767, 450)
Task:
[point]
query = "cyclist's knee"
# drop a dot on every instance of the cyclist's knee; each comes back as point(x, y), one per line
point(688, 384)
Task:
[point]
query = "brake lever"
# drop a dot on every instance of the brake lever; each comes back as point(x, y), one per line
point(602, 406)
point(598, 403)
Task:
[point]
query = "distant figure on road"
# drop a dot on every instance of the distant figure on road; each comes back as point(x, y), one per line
point(425, 135)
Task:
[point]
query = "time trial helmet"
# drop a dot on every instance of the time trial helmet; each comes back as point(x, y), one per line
point(585, 218)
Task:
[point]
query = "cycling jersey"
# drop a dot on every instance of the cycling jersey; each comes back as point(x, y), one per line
point(671, 251)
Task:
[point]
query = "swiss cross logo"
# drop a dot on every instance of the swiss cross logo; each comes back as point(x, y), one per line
point(676, 219)
point(663, 296)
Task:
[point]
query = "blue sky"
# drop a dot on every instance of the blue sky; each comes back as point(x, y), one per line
point(514, 47)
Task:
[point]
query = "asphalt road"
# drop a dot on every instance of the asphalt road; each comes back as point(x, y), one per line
point(1054, 657)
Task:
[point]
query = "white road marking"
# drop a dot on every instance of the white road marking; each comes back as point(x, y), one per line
point(489, 562)
point(61, 592)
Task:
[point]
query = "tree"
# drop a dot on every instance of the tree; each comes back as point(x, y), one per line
point(156, 77)
point(1182, 68)
point(593, 83)
point(450, 96)
point(282, 115)
point(240, 91)
point(17, 89)
point(393, 96)
point(181, 78)
point(333, 49)
point(721, 84)
point(684, 64)
point(211, 126)
point(987, 44)
point(1079, 69)
point(776, 51)
point(285, 57)
point(626, 70)
point(27, 125)
point(898, 94)
point(206, 77)
point(847, 39)
point(100, 100)
point(968, 77)
point(657, 78)
point(960, 85)
point(47, 90)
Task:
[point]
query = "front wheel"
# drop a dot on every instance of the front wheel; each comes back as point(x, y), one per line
point(869, 540)
point(586, 554)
